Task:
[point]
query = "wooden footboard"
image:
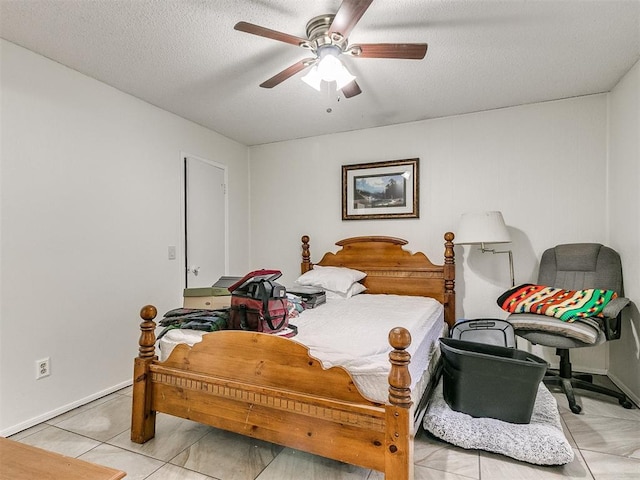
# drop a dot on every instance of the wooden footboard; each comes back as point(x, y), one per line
point(270, 388)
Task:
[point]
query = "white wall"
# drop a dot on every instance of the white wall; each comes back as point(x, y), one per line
point(534, 163)
point(624, 222)
point(89, 203)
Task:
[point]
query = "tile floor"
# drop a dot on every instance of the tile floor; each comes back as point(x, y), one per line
point(605, 437)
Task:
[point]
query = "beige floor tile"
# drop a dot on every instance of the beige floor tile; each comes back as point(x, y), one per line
point(81, 409)
point(173, 435)
point(425, 473)
point(612, 467)
point(605, 434)
point(29, 431)
point(498, 467)
point(438, 455)
point(597, 404)
point(293, 464)
point(567, 433)
point(173, 472)
point(60, 441)
point(137, 467)
point(228, 456)
point(102, 422)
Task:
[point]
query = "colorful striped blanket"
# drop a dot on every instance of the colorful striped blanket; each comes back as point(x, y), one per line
point(566, 305)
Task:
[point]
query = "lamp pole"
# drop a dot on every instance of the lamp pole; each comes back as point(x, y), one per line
point(490, 250)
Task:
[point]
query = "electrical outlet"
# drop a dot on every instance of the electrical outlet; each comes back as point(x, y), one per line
point(43, 368)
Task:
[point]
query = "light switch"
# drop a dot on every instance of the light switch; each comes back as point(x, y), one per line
point(172, 252)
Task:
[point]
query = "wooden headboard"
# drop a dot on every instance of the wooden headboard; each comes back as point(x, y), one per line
point(392, 269)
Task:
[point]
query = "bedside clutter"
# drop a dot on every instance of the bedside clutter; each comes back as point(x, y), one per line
point(489, 380)
point(206, 298)
point(491, 397)
point(214, 297)
point(310, 297)
point(482, 367)
point(490, 331)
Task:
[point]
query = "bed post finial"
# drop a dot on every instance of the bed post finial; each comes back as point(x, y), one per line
point(147, 340)
point(305, 266)
point(143, 419)
point(398, 458)
point(449, 279)
point(399, 377)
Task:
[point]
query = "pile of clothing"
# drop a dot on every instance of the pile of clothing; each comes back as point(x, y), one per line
point(194, 319)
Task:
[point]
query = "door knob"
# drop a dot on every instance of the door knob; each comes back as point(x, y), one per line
point(193, 269)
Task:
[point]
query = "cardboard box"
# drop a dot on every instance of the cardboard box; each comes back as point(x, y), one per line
point(209, 298)
point(209, 302)
point(205, 292)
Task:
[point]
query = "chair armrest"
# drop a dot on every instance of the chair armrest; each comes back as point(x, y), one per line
point(614, 307)
point(611, 322)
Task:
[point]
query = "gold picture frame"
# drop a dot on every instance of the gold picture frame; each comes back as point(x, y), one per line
point(378, 190)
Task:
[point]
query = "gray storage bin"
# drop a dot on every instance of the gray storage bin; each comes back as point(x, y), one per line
point(489, 380)
point(491, 331)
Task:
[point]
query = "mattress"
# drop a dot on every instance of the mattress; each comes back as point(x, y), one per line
point(353, 333)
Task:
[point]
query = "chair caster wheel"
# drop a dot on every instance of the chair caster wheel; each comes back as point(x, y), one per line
point(575, 408)
point(626, 403)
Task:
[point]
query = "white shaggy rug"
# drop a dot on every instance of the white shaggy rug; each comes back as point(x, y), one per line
point(540, 442)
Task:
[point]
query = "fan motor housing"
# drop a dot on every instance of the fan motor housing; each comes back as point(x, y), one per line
point(318, 32)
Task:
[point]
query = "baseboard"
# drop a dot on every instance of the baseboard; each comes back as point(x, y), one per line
point(579, 369)
point(64, 409)
point(620, 384)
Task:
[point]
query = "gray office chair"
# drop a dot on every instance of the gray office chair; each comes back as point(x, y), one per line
point(576, 266)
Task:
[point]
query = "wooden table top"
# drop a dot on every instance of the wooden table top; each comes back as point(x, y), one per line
point(19, 461)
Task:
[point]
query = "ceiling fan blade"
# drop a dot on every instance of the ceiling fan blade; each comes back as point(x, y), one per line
point(287, 72)
point(268, 33)
point(348, 15)
point(351, 90)
point(411, 51)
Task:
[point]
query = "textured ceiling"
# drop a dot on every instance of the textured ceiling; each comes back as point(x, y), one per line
point(185, 57)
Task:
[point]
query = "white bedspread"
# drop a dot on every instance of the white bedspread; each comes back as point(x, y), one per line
point(354, 333)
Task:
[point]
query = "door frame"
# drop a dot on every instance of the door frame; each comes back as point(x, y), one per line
point(183, 219)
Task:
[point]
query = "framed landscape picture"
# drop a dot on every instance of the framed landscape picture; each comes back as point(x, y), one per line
point(380, 190)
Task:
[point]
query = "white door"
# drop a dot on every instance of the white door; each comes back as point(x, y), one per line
point(205, 222)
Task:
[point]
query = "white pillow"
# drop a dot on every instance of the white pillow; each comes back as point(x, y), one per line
point(337, 279)
point(354, 289)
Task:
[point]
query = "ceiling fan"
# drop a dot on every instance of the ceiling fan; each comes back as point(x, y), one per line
point(327, 38)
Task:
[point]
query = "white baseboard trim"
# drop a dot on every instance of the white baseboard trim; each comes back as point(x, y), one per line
point(64, 409)
point(626, 390)
point(579, 369)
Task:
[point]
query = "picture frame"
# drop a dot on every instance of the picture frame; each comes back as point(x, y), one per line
point(378, 190)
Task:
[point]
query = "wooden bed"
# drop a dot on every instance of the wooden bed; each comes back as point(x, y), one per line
point(269, 387)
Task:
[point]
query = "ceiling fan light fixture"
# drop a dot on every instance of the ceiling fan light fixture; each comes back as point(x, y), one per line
point(329, 69)
point(328, 38)
point(344, 78)
point(329, 66)
point(313, 78)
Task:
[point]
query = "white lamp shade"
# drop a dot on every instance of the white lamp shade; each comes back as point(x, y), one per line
point(313, 78)
point(482, 227)
point(328, 69)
